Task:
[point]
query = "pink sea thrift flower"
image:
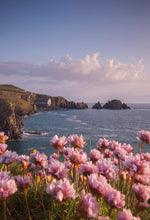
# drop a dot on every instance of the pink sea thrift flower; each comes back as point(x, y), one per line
point(57, 169)
point(108, 153)
point(107, 168)
point(135, 164)
point(144, 136)
point(143, 179)
point(77, 156)
point(127, 147)
point(2, 148)
point(102, 144)
point(114, 145)
point(58, 143)
point(145, 156)
point(22, 183)
point(88, 168)
point(61, 190)
point(120, 153)
point(3, 137)
point(24, 160)
point(126, 215)
point(113, 197)
point(76, 141)
point(143, 205)
point(8, 157)
point(95, 155)
point(88, 206)
point(142, 192)
point(7, 185)
point(97, 184)
point(39, 159)
point(53, 156)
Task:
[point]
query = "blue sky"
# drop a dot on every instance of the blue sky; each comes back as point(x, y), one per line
point(84, 50)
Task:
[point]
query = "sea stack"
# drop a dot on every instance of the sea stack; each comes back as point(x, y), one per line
point(115, 104)
point(97, 106)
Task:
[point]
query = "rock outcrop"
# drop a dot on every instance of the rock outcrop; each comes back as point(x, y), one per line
point(115, 104)
point(97, 106)
point(15, 103)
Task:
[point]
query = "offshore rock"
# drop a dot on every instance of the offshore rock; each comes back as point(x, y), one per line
point(115, 104)
point(97, 106)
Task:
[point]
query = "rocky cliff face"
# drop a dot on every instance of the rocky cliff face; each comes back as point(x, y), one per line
point(15, 103)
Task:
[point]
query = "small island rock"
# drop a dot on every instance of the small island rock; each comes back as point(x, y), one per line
point(97, 106)
point(115, 104)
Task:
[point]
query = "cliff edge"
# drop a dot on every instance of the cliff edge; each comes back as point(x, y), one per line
point(15, 103)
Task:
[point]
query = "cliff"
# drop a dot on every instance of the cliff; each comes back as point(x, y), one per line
point(15, 103)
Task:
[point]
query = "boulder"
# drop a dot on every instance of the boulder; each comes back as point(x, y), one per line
point(115, 104)
point(97, 106)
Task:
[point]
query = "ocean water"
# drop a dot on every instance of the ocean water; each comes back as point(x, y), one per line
point(118, 125)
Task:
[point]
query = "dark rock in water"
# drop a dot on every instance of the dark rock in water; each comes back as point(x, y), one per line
point(97, 106)
point(81, 105)
point(33, 132)
point(116, 104)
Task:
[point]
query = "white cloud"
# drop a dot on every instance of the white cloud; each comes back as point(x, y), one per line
point(87, 77)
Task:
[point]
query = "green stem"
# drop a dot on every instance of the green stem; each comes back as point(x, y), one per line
point(140, 148)
point(25, 196)
point(4, 210)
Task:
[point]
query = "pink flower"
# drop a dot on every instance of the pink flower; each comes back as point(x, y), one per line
point(127, 147)
point(114, 145)
point(144, 136)
point(107, 168)
point(3, 137)
point(24, 160)
point(61, 190)
point(135, 164)
point(77, 156)
point(53, 156)
point(39, 159)
point(143, 179)
point(95, 155)
point(126, 215)
point(57, 169)
point(22, 183)
point(7, 185)
point(142, 192)
point(88, 206)
point(76, 141)
point(102, 144)
point(88, 168)
point(8, 157)
point(2, 148)
point(108, 153)
point(57, 142)
point(113, 197)
point(97, 184)
point(143, 205)
point(120, 153)
point(145, 156)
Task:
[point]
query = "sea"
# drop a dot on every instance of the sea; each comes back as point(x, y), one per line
point(92, 124)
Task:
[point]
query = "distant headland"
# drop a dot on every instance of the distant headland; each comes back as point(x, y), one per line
point(15, 103)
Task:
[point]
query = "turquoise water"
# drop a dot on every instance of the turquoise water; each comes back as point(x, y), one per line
point(119, 125)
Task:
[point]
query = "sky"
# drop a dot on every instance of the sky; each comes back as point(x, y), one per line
point(83, 50)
